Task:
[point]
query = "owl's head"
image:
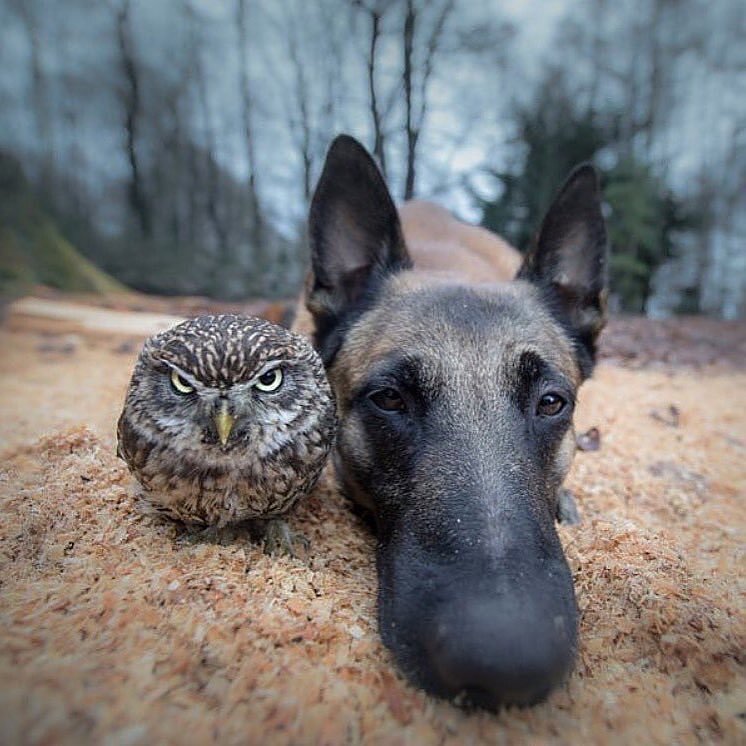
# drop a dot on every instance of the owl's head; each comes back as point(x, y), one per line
point(227, 381)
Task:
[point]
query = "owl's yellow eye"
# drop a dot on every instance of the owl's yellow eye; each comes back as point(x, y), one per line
point(269, 381)
point(180, 384)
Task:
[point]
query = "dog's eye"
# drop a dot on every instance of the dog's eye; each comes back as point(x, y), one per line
point(389, 400)
point(550, 405)
point(179, 384)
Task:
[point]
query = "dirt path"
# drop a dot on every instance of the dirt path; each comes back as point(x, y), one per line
point(87, 318)
point(112, 629)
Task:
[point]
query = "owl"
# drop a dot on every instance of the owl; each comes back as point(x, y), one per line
point(227, 419)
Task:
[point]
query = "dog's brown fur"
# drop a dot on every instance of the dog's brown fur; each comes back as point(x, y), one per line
point(455, 368)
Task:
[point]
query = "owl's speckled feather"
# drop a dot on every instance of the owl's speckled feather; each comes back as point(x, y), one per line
point(278, 440)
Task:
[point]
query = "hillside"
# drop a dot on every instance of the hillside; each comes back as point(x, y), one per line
point(33, 250)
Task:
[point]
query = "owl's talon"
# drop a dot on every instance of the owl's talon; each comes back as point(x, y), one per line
point(279, 539)
point(209, 535)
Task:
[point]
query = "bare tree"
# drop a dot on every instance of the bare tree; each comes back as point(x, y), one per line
point(301, 121)
point(416, 78)
point(212, 187)
point(420, 27)
point(131, 100)
point(374, 12)
point(305, 101)
point(245, 97)
point(26, 10)
point(657, 33)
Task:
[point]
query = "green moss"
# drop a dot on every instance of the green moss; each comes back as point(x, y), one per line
point(32, 248)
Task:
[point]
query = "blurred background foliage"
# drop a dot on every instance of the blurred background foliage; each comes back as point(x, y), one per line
point(172, 146)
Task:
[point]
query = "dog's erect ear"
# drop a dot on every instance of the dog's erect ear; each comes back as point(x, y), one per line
point(568, 261)
point(354, 231)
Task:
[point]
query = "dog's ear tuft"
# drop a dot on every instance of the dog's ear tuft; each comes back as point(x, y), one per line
point(569, 261)
point(354, 230)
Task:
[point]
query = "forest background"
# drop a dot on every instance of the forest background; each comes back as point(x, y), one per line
point(175, 144)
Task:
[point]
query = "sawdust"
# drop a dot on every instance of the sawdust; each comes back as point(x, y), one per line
point(113, 628)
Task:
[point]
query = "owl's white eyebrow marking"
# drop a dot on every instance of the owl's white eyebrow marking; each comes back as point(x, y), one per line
point(269, 365)
point(186, 376)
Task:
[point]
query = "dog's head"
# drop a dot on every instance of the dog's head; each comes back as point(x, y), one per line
point(456, 406)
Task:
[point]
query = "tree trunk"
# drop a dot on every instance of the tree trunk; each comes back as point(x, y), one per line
point(410, 128)
point(379, 139)
point(303, 126)
point(212, 187)
point(132, 109)
point(248, 129)
point(39, 92)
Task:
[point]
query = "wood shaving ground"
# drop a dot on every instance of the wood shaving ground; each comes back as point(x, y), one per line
point(113, 629)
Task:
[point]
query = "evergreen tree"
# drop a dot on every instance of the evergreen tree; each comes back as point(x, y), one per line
point(643, 215)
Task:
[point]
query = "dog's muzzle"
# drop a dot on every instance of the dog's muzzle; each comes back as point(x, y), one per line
point(489, 627)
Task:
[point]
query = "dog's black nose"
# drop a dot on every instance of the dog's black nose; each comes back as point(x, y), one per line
point(501, 651)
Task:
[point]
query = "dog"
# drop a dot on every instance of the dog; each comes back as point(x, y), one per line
point(455, 363)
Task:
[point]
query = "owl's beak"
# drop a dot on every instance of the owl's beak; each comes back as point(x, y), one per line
point(223, 422)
